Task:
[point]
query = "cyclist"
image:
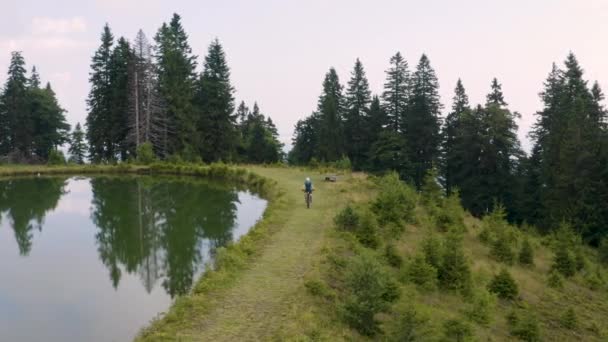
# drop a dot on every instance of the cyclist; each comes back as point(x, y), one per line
point(308, 189)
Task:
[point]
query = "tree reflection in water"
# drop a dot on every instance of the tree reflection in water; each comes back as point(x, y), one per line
point(161, 228)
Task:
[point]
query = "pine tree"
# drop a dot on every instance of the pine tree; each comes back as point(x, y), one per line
point(421, 121)
point(176, 78)
point(77, 148)
point(396, 93)
point(330, 109)
point(452, 158)
point(305, 140)
point(118, 127)
point(99, 99)
point(503, 285)
point(16, 115)
point(357, 101)
point(34, 81)
point(50, 128)
point(526, 254)
point(216, 106)
point(495, 97)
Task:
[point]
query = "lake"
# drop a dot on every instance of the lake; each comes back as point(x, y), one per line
point(96, 258)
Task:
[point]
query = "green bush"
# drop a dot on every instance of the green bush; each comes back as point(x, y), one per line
point(503, 285)
point(347, 219)
point(524, 325)
point(457, 330)
point(343, 164)
point(175, 159)
point(594, 280)
point(501, 250)
point(395, 202)
point(367, 232)
point(145, 154)
point(555, 279)
point(481, 307)
point(526, 253)
point(422, 273)
point(432, 193)
point(318, 288)
point(451, 215)
point(56, 157)
point(564, 262)
point(569, 320)
point(432, 250)
point(454, 272)
point(392, 257)
point(410, 326)
point(370, 290)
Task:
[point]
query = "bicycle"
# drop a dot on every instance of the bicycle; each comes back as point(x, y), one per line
point(308, 199)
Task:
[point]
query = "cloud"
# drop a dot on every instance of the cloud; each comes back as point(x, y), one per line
point(57, 43)
point(45, 25)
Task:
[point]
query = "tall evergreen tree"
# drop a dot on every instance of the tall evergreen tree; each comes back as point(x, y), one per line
point(305, 140)
point(330, 109)
point(452, 159)
point(118, 127)
point(16, 110)
point(99, 99)
point(50, 128)
point(421, 121)
point(356, 130)
point(396, 91)
point(77, 148)
point(216, 106)
point(176, 78)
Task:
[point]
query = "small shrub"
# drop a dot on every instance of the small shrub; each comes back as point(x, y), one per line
point(564, 262)
point(454, 272)
point(501, 250)
point(422, 273)
point(392, 257)
point(524, 325)
point(579, 259)
point(318, 288)
point(343, 164)
point(396, 201)
point(451, 215)
point(347, 219)
point(145, 154)
point(432, 250)
point(503, 285)
point(367, 232)
point(370, 290)
point(410, 326)
point(457, 330)
point(432, 194)
point(175, 159)
point(569, 320)
point(481, 308)
point(555, 280)
point(526, 254)
point(56, 157)
point(594, 280)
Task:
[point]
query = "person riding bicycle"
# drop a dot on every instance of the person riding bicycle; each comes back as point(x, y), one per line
point(308, 188)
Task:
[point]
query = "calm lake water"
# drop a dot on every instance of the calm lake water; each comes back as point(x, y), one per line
point(96, 258)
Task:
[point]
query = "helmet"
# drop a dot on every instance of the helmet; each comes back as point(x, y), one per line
point(308, 179)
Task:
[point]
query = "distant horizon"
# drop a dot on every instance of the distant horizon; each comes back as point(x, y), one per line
point(279, 52)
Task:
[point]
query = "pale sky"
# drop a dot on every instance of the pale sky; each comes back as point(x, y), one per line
point(279, 50)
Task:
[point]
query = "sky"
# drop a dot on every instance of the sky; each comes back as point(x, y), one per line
point(280, 50)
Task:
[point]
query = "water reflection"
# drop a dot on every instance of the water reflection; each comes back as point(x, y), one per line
point(161, 228)
point(155, 227)
point(25, 202)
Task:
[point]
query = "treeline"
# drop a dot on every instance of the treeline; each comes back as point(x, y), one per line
point(474, 148)
point(145, 93)
point(32, 123)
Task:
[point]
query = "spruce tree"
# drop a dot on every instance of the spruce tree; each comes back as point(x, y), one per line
point(215, 100)
point(396, 93)
point(357, 101)
point(117, 144)
point(50, 128)
point(451, 156)
point(99, 99)
point(16, 118)
point(176, 78)
point(77, 148)
point(305, 140)
point(421, 120)
point(331, 108)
